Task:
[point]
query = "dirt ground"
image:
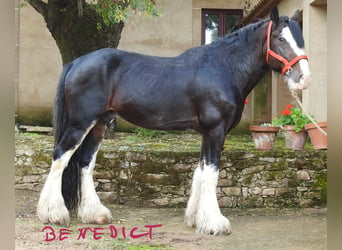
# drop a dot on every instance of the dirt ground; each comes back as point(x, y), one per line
point(252, 229)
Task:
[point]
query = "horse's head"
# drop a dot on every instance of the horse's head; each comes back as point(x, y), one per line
point(285, 50)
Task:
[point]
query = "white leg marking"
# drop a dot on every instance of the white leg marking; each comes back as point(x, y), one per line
point(51, 207)
point(192, 206)
point(91, 209)
point(209, 219)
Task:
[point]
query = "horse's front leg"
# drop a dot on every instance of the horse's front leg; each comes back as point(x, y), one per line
point(209, 219)
point(203, 209)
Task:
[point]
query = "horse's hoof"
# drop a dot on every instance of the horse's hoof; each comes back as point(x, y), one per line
point(190, 220)
point(61, 218)
point(216, 225)
point(98, 214)
point(102, 220)
point(222, 232)
point(53, 211)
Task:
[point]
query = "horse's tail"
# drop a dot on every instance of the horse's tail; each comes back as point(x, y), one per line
point(71, 180)
point(60, 118)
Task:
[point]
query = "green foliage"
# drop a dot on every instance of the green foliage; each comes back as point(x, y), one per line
point(321, 182)
point(23, 3)
point(115, 11)
point(292, 116)
point(149, 133)
point(145, 6)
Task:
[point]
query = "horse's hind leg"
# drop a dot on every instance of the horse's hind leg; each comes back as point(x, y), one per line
point(51, 206)
point(90, 209)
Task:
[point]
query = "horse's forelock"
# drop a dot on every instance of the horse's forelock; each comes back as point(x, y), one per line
point(296, 33)
point(295, 29)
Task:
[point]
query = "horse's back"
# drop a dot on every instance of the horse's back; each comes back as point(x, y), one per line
point(149, 91)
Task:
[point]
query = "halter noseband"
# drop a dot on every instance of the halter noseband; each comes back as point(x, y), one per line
point(287, 65)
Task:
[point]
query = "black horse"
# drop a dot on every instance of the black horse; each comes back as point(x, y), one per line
point(202, 89)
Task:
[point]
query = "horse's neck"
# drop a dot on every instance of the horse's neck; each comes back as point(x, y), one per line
point(248, 64)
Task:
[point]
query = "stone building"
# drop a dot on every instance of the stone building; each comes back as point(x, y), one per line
point(182, 26)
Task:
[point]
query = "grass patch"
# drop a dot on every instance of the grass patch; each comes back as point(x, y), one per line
point(33, 135)
point(143, 132)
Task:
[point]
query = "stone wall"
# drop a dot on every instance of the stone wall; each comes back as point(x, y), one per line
point(257, 179)
point(247, 179)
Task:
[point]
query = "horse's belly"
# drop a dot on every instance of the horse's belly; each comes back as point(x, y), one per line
point(160, 120)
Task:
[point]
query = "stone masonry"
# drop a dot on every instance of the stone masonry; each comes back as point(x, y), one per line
point(247, 179)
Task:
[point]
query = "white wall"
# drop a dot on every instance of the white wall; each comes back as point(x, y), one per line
point(40, 63)
point(315, 97)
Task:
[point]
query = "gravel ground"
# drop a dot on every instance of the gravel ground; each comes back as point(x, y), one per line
point(252, 229)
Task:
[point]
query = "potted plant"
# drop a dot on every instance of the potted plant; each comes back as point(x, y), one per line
point(264, 136)
point(292, 122)
point(318, 136)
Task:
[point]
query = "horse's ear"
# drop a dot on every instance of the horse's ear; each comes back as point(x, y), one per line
point(275, 15)
point(295, 15)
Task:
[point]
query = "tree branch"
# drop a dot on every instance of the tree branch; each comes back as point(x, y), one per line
point(39, 6)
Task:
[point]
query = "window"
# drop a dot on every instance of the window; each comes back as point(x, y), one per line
point(218, 22)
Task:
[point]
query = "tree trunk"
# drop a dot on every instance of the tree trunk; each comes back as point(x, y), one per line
point(76, 27)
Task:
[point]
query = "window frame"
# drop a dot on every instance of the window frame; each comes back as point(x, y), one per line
point(221, 26)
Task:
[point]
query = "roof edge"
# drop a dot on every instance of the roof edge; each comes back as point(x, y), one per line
point(259, 10)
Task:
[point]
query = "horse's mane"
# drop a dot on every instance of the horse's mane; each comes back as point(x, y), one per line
point(240, 44)
point(247, 30)
point(241, 33)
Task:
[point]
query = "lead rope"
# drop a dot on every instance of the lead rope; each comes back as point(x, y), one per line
point(295, 96)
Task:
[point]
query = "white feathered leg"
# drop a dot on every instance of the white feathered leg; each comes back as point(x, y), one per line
point(192, 206)
point(51, 207)
point(203, 209)
point(209, 219)
point(90, 209)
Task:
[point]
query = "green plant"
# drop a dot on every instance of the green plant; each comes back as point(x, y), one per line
point(292, 116)
point(149, 133)
point(115, 11)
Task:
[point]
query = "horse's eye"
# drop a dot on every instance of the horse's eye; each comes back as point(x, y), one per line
point(281, 39)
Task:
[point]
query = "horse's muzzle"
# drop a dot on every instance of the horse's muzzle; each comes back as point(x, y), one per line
point(304, 81)
point(299, 83)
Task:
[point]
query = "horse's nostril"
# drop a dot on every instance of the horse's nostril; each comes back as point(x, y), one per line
point(303, 81)
point(301, 78)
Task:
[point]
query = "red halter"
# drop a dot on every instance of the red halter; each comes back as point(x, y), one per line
point(287, 64)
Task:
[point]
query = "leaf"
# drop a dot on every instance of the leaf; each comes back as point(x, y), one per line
point(116, 11)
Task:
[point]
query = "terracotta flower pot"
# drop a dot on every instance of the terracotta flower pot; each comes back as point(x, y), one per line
point(294, 140)
point(264, 137)
point(317, 138)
